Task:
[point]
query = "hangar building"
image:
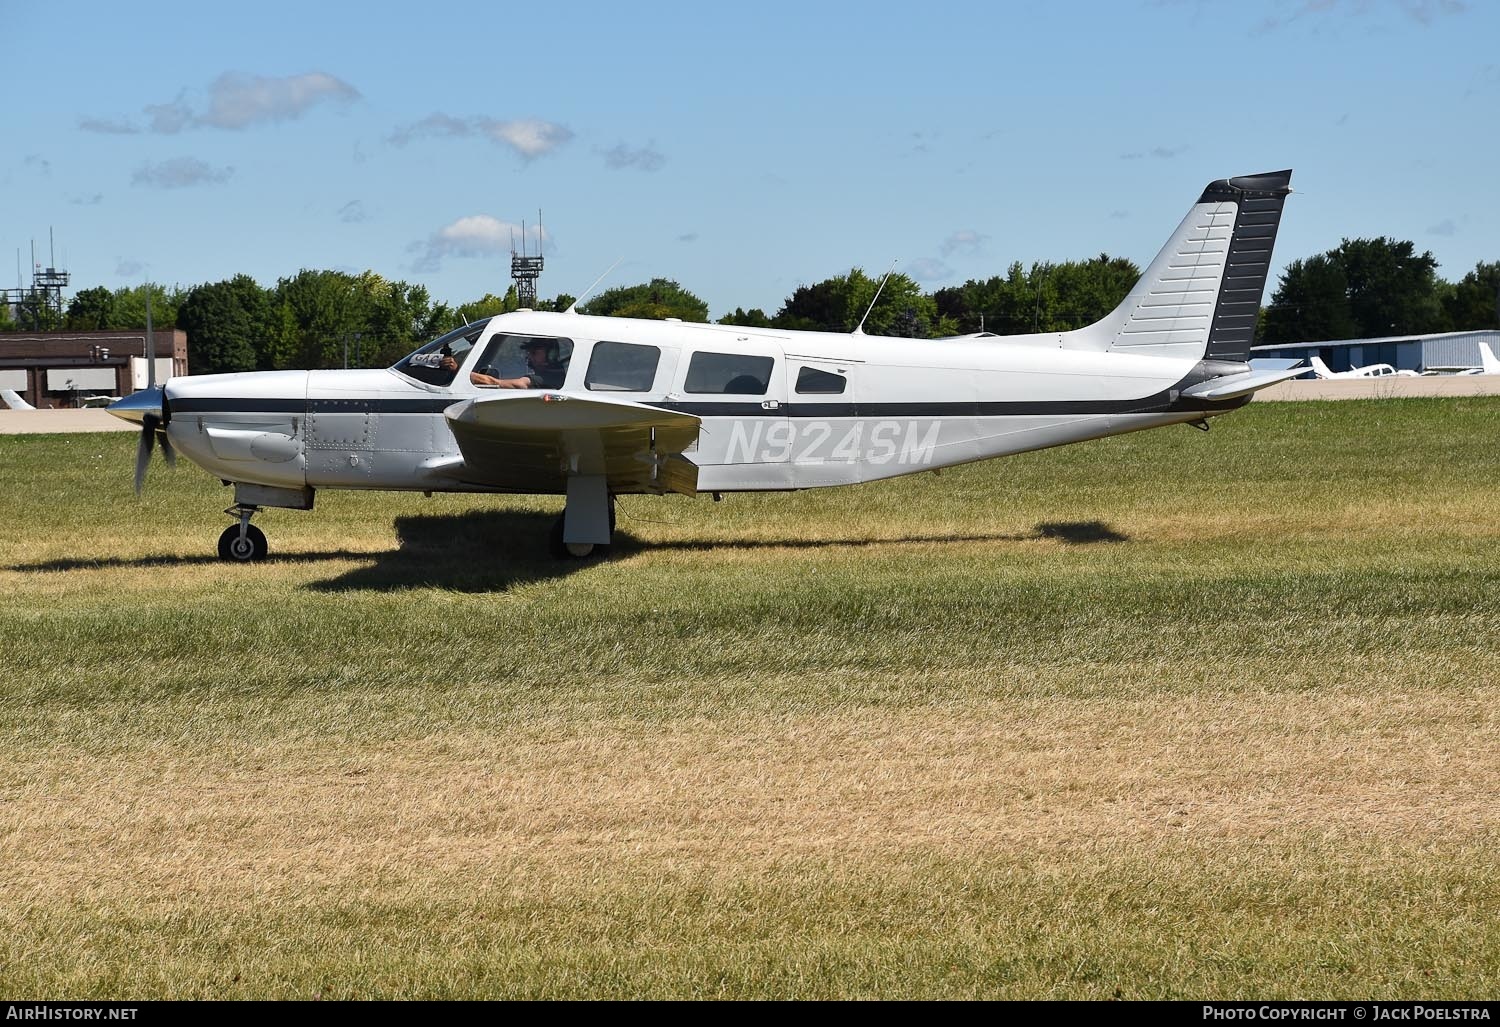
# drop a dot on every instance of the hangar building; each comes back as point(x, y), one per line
point(1440, 351)
point(64, 369)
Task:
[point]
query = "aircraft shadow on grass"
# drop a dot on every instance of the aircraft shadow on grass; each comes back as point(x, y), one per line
point(496, 550)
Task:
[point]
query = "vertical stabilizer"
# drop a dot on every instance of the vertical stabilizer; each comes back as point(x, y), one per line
point(1201, 296)
point(1487, 359)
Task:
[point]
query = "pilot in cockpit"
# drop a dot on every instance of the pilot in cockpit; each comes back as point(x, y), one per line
point(542, 372)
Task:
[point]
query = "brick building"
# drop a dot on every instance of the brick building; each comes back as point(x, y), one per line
point(63, 369)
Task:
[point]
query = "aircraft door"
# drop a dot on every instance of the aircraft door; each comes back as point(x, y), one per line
point(740, 391)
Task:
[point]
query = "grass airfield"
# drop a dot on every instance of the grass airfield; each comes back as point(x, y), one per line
point(1161, 716)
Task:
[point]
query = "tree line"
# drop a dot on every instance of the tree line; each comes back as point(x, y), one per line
point(1364, 288)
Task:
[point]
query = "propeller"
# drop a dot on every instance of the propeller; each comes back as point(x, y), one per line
point(152, 428)
point(149, 408)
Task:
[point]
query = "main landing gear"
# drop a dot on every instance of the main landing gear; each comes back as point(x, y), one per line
point(242, 542)
point(577, 550)
point(587, 525)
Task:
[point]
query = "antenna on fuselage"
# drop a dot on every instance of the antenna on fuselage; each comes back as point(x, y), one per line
point(859, 329)
point(573, 307)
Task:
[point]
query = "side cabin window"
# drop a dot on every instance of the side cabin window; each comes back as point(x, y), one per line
point(622, 367)
point(523, 362)
point(437, 363)
point(812, 382)
point(737, 373)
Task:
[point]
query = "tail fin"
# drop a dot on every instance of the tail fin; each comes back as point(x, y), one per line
point(1201, 295)
point(1487, 359)
point(1321, 369)
point(14, 401)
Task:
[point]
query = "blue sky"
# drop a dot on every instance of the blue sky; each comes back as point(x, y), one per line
point(740, 150)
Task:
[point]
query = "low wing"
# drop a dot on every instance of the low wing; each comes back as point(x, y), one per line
point(534, 442)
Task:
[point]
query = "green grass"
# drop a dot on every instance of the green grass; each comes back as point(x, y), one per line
point(1165, 715)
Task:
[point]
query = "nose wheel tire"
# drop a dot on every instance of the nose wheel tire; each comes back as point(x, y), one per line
point(242, 550)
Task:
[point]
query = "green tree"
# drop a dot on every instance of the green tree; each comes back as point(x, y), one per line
point(314, 313)
point(1311, 302)
point(837, 304)
point(393, 318)
point(489, 305)
point(1392, 289)
point(130, 306)
point(1366, 288)
point(1046, 298)
point(229, 326)
point(91, 310)
point(753, 318)
point(654, 300)
point(1474, 301)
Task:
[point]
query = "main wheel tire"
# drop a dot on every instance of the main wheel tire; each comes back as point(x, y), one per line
point(561, 550)
point(242, 550)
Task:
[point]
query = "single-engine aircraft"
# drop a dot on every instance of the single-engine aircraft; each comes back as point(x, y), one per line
point(595, 407)
point(1322, 370)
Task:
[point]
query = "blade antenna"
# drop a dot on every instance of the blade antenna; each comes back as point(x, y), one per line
point(573, 307)
point(859, 329)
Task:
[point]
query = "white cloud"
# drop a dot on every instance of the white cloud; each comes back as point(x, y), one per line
point(107, 126)
point(478, 235)
point(530, 138)
point(236, 100)
point(179, 173)
point(644, 158)
point(929, 269)
point(433, 125)
point(169, 118)
point(1423, 12)
point(127, 267)
point(965, 241)
point(1159, 152)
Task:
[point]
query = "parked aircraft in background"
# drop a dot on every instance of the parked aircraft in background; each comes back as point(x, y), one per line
point(1368, 371)
point(13, 400)
point(595, 407)
point(1488, 363)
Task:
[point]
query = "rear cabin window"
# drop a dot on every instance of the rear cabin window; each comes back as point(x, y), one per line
point(729, 373)
point(622, 367)
point(812, 382)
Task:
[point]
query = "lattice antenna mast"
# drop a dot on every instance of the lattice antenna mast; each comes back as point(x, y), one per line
point(525, 269)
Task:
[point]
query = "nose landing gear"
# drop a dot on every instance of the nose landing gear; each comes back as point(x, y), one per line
point(242, 542)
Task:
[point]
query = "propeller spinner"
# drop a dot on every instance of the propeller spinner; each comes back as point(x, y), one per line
point(148, 408)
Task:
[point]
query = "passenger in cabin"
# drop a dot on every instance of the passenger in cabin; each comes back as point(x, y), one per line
point(543, 374)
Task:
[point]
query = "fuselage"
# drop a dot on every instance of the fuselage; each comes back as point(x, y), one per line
point(829, 409)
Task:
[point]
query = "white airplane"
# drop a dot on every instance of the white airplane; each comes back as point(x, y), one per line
point(12, 399)
point(595, 407)
point(1322, 370)
point(1488, 363)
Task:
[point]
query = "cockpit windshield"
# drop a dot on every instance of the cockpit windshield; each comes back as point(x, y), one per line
point(438, 362)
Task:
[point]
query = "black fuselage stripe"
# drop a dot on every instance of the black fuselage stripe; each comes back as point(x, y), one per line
point(1161, 403)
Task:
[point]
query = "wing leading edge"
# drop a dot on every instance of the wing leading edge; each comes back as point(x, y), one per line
point(534, 442)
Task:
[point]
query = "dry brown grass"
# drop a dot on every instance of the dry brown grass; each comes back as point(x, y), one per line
point(1018, 777)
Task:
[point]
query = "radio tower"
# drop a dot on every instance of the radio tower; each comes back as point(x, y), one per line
point(524, 269)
